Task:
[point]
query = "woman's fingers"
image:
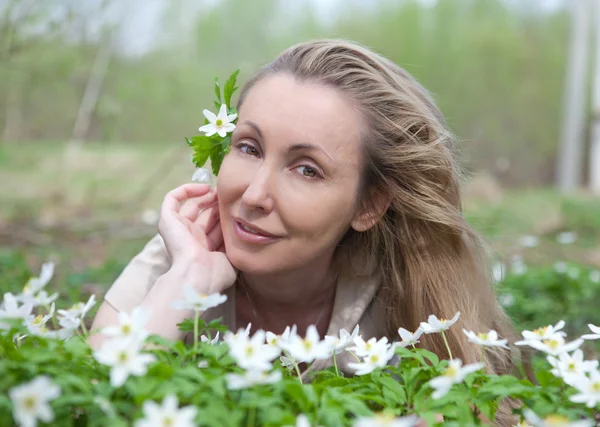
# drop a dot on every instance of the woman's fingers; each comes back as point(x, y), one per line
point(215, 238)
point(208, 218)
point(174, 198)
point(197, 206)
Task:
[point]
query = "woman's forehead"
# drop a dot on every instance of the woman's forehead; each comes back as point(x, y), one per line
point(286, 109)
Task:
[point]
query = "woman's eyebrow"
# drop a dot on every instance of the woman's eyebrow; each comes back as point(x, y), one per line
point(253, 125)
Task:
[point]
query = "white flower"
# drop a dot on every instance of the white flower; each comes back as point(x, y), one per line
point(381, 420)
point(251, 378)
point(595, 276)
point(78, 311)
point(561, 267)
point(308, 348)
point(529, 241)
point(363, 348)
point(595, 335)
point(198, 302)
point(566, 238)
point(221, 123)
point(455, 373)
point(124, 357)
point(42, 298)
point(339, 343)
point(518, 266)
point(202, 176)
point(205, 339)
point(37, 325)
point(573, 272)
point(555, 345)
point(566, 365)
point(150, 217)
point(541, 334)
point(275, 340)
point(288, 363)
point(434, 324)
point(489, 339)
point(30, 401)
point(498, 272)
point(131, 325)
point(553, 421)
point(379, 354)
point(251, 353)
point(301, 421)
point(11, 310)
point(588, 387)
point(167, 414)
point(35, 284)
point(506, 300)
point(408, 338)
point(203, 364)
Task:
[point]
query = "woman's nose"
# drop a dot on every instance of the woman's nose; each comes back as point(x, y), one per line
point(258, 194)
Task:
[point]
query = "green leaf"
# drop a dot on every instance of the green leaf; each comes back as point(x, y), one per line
point(230, 87)
point(216, 158)
point(202, 147)
point(218, 90)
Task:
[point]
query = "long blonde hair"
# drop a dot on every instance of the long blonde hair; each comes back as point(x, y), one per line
point(430, 260)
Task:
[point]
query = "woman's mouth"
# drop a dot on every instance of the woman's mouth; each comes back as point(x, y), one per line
point(251, 234)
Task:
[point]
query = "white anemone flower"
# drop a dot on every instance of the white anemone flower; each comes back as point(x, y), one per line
point(384, 420)
point(251, 378)
point(11, 310)
point(566, 238)
point(339, 343)
point(31, 401)
point(408, 338)
point(42, 298)
point(301, 421)
point(309, 348)
point(553, 421)
point(489, 339)
point(455, 373)
point(588, 388)
point(556, 345)
point(363, 348)
point(251, 353)
point(202, 176)
point(595, 335)
point(77, 311)
point(37, 325)
point(566, 365)
point(198, 302)
point(529, 241)
point(275, 340)
point(167, 414)
point(205, 339)
point(378, 356)
point(124, 357)
point(595, 276)
point(131, 325)
point(220, 123)
point(434, 324)
point(542, 334)
point(35, 284)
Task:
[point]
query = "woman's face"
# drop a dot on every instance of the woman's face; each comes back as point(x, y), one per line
point(288, 187)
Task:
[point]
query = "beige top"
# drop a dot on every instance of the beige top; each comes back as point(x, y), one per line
point(355, 299)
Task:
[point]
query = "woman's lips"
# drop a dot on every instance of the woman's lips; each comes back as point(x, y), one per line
point(251, 235)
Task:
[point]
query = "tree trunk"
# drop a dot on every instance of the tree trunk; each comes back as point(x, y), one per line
point(569, 171)
point(595, 122)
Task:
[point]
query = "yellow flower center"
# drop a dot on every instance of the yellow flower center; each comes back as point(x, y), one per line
point(596, 387)
point(556, 420)
point(29, 402)
point(167, 422)
point(27, 288)
point(38, 319)
point(126, 329)
point(571, 367)
point(384, 419)
point(307, 344)
point(219, 122)
point(122, 357)
point(374, 358)
point(552, 344)
point(541, 331)
point(249, 350)
point(483, 337)
point(442, 321)
point(451, 371)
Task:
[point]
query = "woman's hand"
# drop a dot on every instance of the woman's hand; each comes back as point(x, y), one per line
point(193, 237)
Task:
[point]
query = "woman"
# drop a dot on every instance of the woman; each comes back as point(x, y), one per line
point(337, 205)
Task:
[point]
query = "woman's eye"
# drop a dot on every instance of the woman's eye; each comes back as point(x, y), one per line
point(308, 172)
point(248, 149)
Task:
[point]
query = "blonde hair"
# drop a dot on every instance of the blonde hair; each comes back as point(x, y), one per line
point(430, 259)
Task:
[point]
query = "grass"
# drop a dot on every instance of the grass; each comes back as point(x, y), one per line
point(84, 210)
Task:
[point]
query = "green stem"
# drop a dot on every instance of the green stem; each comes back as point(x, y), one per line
point(483, 355)
point(196, 317)
point(337, 371)
point(84, 329)
point(355, 356)
point(251, 417)
point(297, 368)
point(447, 346)
point(413, 346)
point(53, 318)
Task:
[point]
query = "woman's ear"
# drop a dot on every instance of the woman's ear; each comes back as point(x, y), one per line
point(370, 215)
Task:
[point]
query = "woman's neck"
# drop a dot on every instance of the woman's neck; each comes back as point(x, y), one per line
point(300, 298)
